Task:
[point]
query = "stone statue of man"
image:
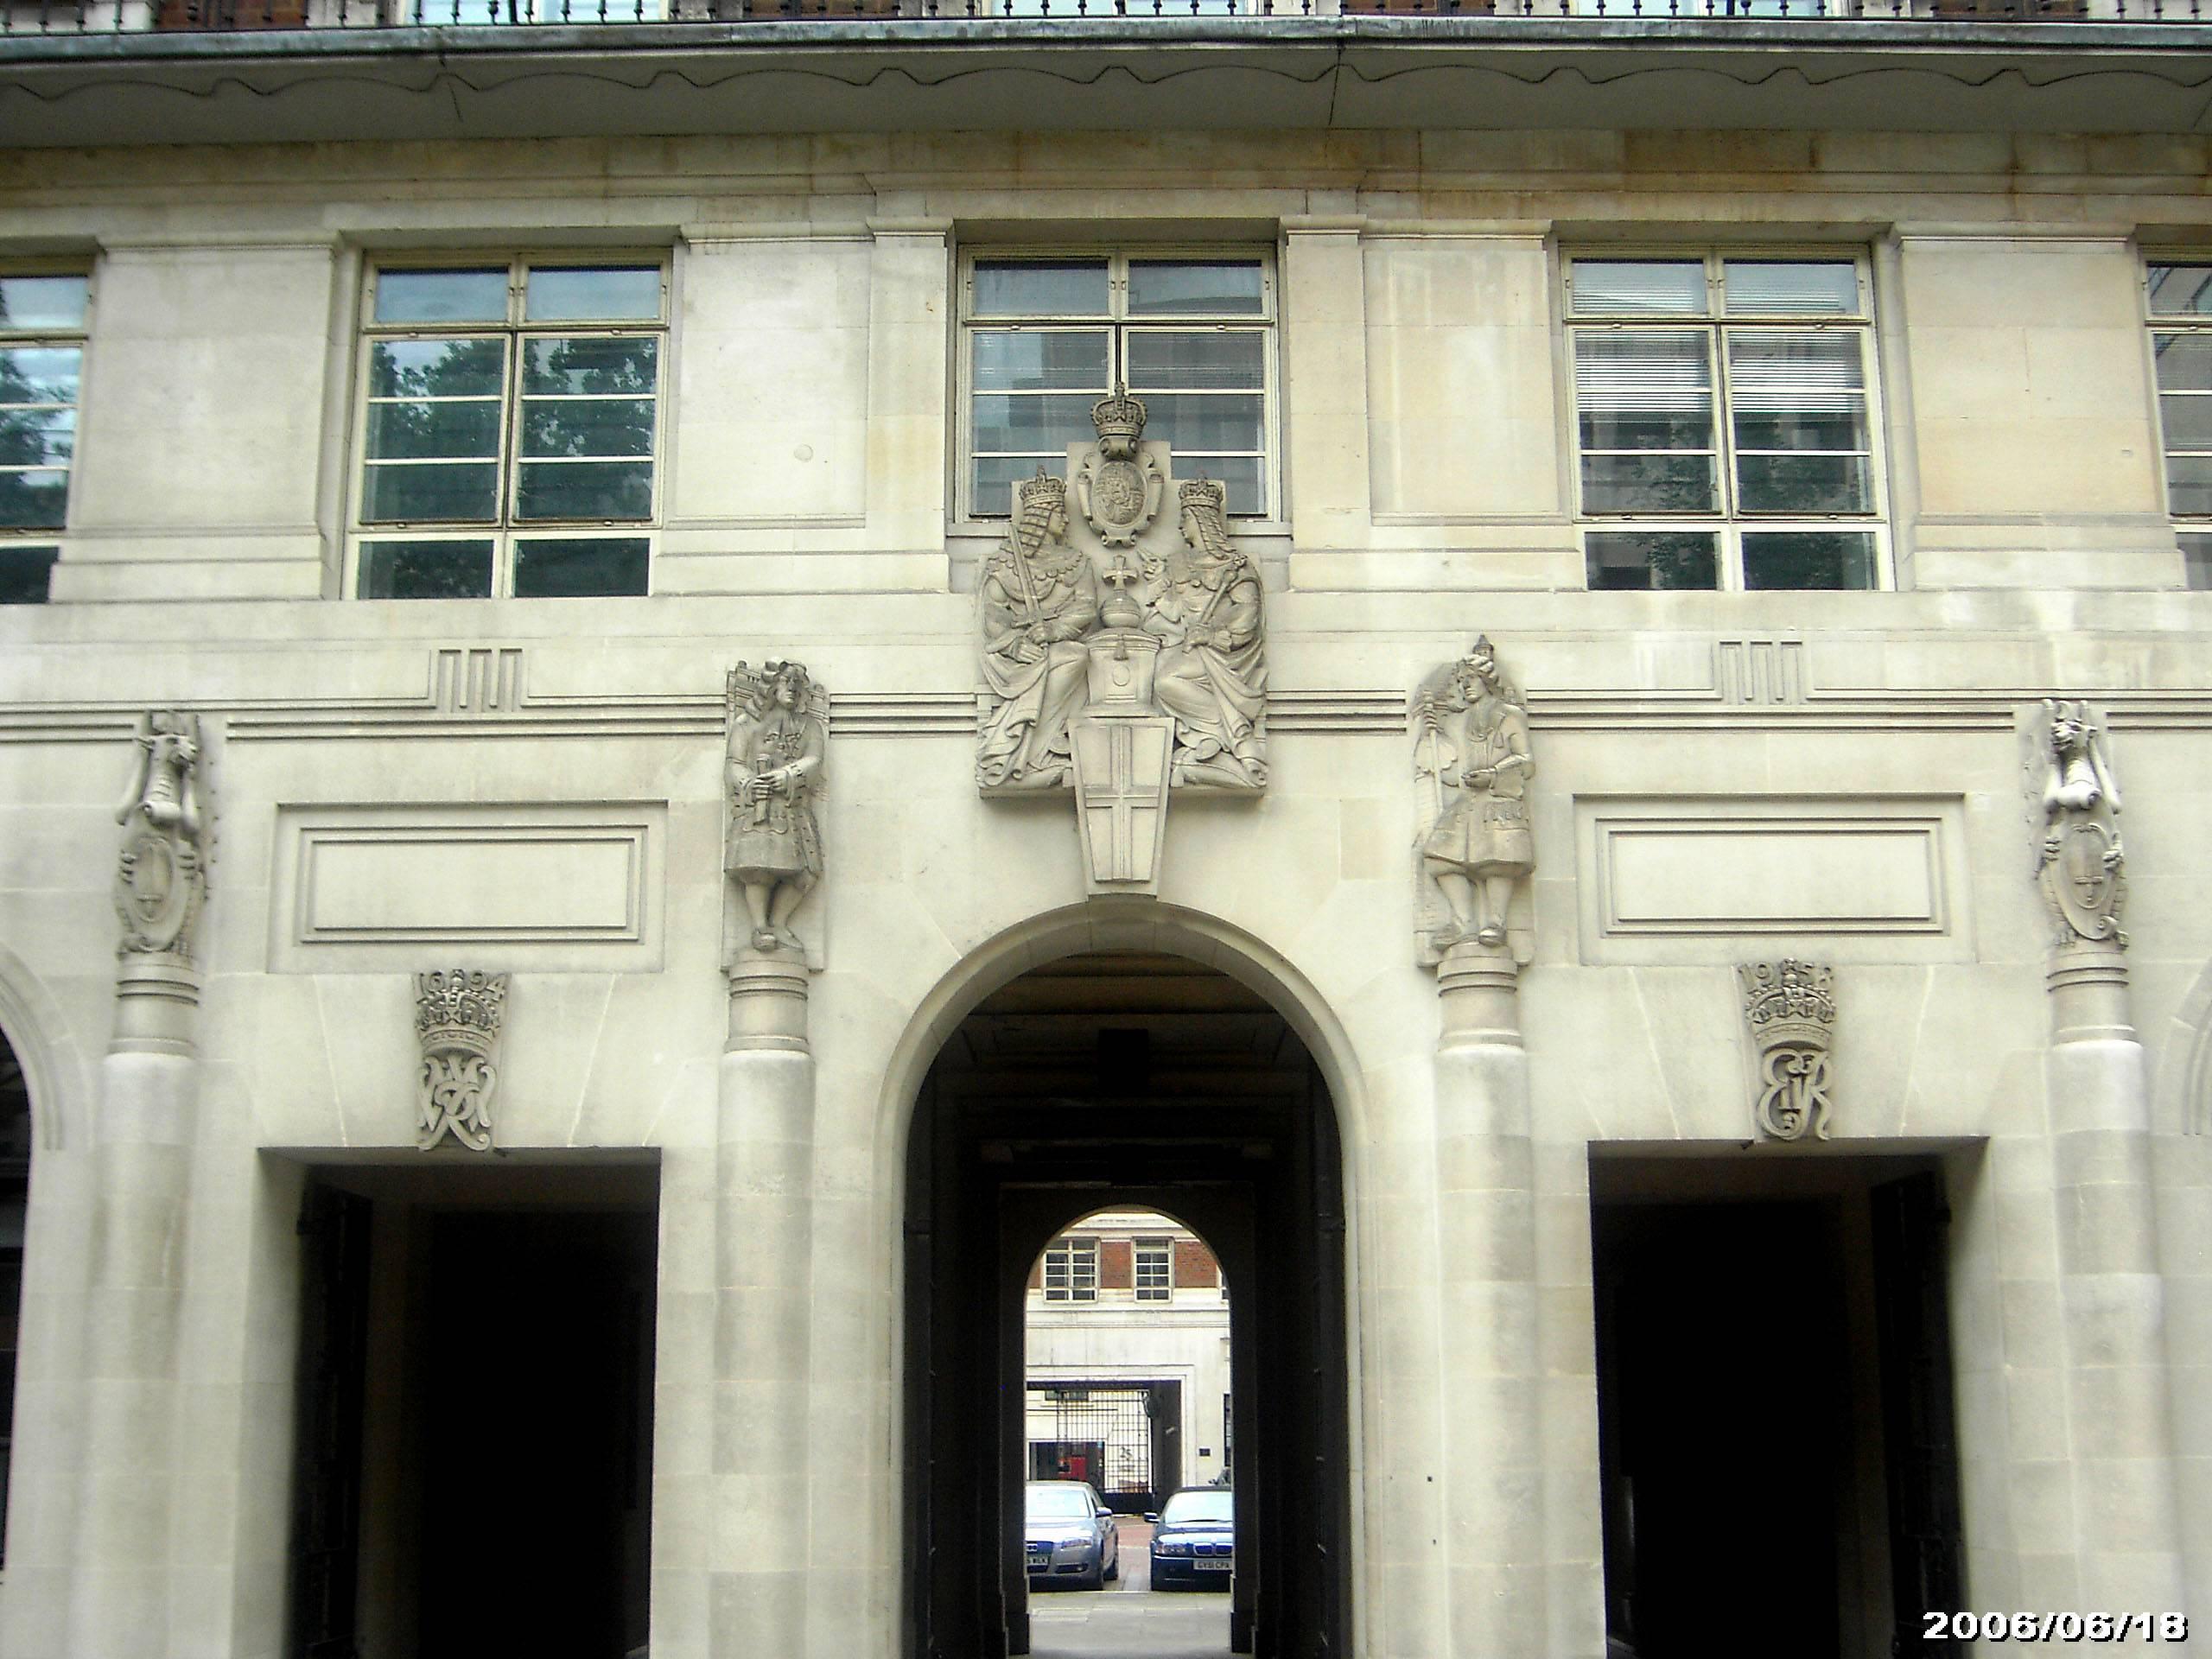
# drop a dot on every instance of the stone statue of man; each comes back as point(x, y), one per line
point(1471, 740)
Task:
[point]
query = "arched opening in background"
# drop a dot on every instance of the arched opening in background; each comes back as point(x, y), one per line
point(1126, 1081)
point(1127, 1411)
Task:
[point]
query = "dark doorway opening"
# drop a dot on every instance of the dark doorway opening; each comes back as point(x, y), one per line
point(15, 1216)
point(475, 1413)
point(1139, 1081)
point(1775, 1421)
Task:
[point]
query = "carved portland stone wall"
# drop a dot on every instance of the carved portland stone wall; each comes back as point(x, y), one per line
point(1120, 653)
point(1472, 766)
point(777, 722)
point(2079, 864)
point(1790, 1008)
point(457, 1015)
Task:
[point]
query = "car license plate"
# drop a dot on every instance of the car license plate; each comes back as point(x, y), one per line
point(1040, 1558)
point(1210, 1564)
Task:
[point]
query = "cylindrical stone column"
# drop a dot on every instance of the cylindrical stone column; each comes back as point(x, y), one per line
point(763, 1226)
point(2126, 1521)
point(150, 1081)
point(1486, 1177)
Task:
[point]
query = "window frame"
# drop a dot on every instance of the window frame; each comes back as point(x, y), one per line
point(505, 530)
point(48, 539)
point(1267, 322)
point(1728, 522)
point(1077, 1291)
point(1163, 1292)
point(2192, 531)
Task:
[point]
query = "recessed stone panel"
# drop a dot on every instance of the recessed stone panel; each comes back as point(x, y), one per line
point(549, 887)
point(1686, 881)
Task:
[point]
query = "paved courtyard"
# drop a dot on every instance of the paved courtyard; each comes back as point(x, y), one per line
point(1129, 1619)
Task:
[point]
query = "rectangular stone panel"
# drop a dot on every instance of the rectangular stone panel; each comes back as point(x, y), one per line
point(551, 887)
point(1695, 880)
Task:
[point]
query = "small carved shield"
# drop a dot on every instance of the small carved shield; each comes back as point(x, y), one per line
point(2083, 878)
point(152, 879)
point(1117, 494)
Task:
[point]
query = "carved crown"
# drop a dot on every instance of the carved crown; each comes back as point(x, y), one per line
point(1118, 415)
point(1203, 492)
point(1789, 1002)
point(460, 1011)
point(1043, 491)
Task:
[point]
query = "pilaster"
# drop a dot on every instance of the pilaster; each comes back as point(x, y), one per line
point(1485, 1163)
point(141, 1156)
point(1324, 383)
point(2112, 1297)
point(763, 1228)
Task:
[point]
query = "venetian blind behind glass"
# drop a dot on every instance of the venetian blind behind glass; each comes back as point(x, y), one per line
point(1640, 286)
point(1790, 288)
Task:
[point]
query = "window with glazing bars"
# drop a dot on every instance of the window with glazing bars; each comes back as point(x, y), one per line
point(42, 325)
point(510, 430)
point(1071, 1270)
point(2180, 299)
point(1191, 336)
point(1725, 427)
point(1154, 1274)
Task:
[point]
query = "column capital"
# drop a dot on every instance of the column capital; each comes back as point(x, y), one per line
point(767, 1005)
point(155, 998)
point(2088, 984)
point(1478, 986)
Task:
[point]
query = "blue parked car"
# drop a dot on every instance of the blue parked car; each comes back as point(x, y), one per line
point(1194, 1543)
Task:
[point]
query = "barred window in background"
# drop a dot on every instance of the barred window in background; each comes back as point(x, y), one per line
point(1155, 1270)
point(1071, 1270)
point(510, 430)
point(1193, 335)
point(2180, 298)
point(1725, 422)
point(43, 317)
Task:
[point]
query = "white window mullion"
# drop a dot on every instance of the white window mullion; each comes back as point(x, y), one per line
point(1724, 408)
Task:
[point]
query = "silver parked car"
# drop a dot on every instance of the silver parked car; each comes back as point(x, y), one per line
point(1069, 1537)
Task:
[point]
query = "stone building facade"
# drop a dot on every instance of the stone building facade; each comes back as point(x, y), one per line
point(1605, 791)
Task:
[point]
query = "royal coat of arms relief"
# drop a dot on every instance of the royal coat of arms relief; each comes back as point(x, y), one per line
point(1122, 651)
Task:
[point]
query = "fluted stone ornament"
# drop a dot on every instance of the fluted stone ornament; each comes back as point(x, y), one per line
point(2074, 800)
point(160, 876)
point(457, 1017)
point(1789, 1008)
point(776, 727)
point(1472, 840)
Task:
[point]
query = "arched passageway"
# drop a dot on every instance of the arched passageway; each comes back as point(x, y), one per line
point(14, 1206)
point(1138, 1080)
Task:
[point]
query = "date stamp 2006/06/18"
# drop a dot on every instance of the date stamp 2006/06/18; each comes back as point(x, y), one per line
point(2054, 1627)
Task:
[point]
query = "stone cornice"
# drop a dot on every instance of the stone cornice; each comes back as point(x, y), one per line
point(1102, 73)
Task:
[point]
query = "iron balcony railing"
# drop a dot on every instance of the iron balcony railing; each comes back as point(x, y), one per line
point(64, 18)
